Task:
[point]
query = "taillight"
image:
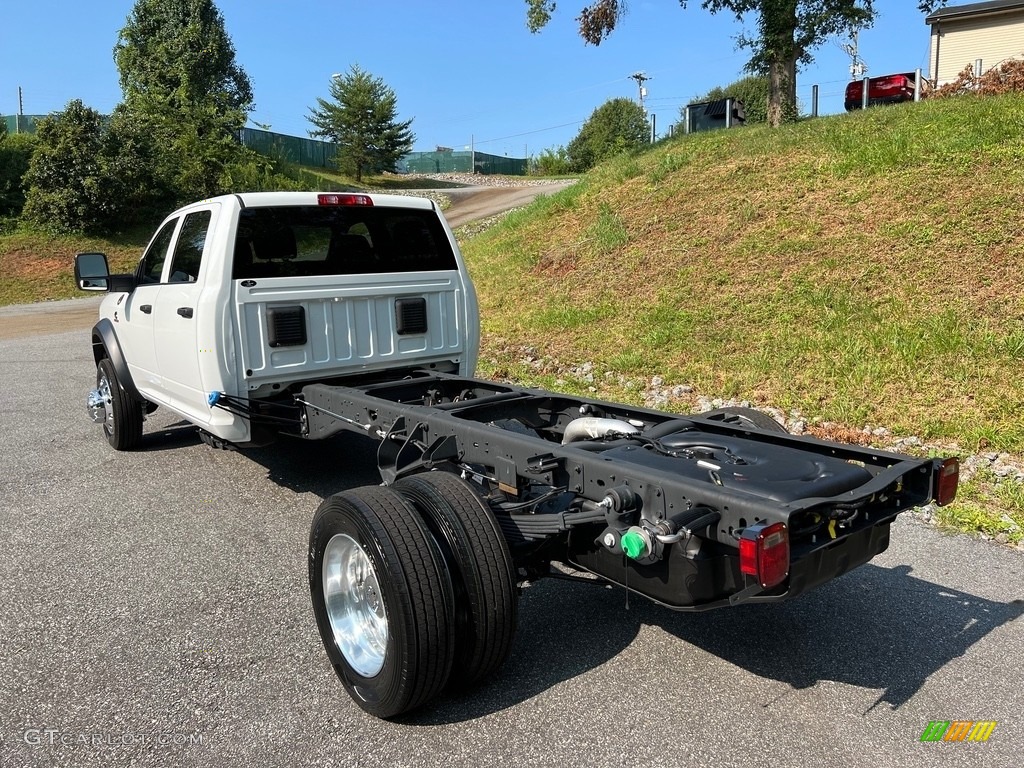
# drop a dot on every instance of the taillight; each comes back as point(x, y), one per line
point(890, 83)
point(764, 553)
point(344, 199)
point(947, 477)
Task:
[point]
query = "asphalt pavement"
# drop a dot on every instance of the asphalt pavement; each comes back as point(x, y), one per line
point(155, 612)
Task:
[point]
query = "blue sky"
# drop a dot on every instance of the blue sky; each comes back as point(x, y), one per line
point(464, 71)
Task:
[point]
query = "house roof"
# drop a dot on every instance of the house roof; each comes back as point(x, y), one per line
point(974, 9)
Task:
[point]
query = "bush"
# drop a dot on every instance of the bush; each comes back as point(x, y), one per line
point(15, 155)
point(65, 184)
point(553, 161)
point(1007, 77)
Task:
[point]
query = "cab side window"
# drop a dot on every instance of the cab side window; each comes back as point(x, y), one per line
point(152, 263)
point(188, 251)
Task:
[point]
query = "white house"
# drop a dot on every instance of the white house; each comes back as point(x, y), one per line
point(961, 34)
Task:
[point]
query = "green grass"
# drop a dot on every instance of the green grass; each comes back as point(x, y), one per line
point(863, 268)
point(36, 266)
point(986, 506)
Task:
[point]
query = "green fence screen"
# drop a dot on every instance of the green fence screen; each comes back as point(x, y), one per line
point(321, 154)
point(291, 149)
point(21, 123)
point(462, 162)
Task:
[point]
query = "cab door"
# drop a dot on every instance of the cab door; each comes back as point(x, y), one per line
point(177, 315)
point(134, 314)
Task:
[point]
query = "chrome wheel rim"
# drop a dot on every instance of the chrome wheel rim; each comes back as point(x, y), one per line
point(103, 386)
point(354, 604)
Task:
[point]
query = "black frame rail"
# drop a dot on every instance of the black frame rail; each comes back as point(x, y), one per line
point(430, 419)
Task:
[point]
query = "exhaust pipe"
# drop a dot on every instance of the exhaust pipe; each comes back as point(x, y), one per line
point(592, 428)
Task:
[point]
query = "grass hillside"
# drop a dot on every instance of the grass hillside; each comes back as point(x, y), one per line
point(862, 268)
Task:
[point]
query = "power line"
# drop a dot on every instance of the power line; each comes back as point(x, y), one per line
point(527, 133)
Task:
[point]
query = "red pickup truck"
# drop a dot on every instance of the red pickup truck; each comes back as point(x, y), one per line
point(888, 89)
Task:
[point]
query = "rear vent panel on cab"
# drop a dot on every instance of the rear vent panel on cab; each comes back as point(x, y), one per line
point(411, 315)
point(286, 326)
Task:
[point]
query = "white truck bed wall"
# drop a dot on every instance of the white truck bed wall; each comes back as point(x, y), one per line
point(351, 323)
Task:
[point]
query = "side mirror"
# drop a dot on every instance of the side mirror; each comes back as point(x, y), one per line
point(93, 274)
point(91, 271)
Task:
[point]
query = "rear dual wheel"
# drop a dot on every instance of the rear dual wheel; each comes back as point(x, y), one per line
point(413, 589)
point(382, 600)
point(480, 564)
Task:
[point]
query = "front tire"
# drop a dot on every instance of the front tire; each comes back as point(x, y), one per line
point(123, 423)
point(382, 599)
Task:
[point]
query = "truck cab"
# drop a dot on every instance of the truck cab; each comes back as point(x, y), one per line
point(251, 295)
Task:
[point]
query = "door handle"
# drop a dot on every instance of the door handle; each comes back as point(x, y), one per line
point(185, 311)
point(147, 308)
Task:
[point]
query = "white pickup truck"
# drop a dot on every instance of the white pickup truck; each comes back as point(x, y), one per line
point(250, 295)
point(317, 314)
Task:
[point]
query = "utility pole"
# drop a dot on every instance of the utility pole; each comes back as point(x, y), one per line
point(21, 111)
point(857, 66)
point(640, 78)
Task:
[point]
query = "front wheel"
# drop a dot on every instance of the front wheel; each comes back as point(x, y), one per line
point(383, 600)
point(122, 414)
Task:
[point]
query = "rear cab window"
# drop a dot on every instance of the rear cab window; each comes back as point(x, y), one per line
point(299, 241)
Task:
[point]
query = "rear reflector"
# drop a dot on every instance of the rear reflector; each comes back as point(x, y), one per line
point(764, 553)
point(946, 480)
point(344, 199)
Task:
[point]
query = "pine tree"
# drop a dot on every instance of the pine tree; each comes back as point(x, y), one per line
point(361, 120)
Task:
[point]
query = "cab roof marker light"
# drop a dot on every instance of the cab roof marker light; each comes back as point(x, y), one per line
point(343, 199)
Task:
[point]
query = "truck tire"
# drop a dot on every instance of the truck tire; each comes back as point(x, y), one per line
point(481, 568)
point(123, 423)
point(382, 599)
point(745, 417)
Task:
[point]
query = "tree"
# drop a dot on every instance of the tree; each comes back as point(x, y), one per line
point(65, 176)
point(90, 173)
point(617, 126)
point(15, 156)
point(787, 32)
point(361, 121)
point(181, 81)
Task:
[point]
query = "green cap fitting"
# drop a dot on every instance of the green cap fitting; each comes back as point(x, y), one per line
point(633, 545)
